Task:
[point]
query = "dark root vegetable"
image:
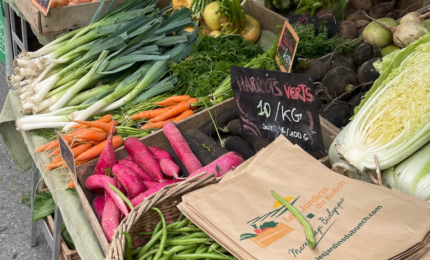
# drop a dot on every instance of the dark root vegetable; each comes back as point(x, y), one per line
point(364, 53)
point(204, 156)
point(314, 68)
point(347, 29)
point(175, 158)
point(349, 10)
point(337, 114)
point(397, 14)
point(339, 60)
point(358, 15)
point(256, 142)
point(381, 10)
point(206, 141)
point(361, 23)
point(367, 74)
point(241, 146)
point(221, 120)
point(339, 82)
point(355, 101)
point(365, 5)
point(375, 2)
point(325, 13)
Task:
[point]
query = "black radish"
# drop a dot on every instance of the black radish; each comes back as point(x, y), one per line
point(324, 13)
point(405, 33)
point(367, 74)
point(414, 17)
point(381, 10)
point(175, 158)
point(361, 25)
point(347, 29)
point(364, 53)
point(208, 142)
point(239, 145)
point(256, 142)
point(337, 114)
point(397, 14)
point(339, 60)
point(365, 5)
point(378, 35)
point(199, 150)
point(221, 120)
point(355, 101)
point(314, 68)
point(375, 2)
point(358, 15)
point(340, 81)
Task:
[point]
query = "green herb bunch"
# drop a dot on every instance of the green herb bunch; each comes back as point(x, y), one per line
point(209, 64)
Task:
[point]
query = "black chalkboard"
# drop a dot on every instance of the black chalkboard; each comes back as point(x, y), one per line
point(66, 153)
point(271, 103)
point(287, 47)
point(331, 24)
point(42, 5)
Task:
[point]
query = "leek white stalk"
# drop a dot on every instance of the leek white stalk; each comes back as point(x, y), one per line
point(24, 89)
point(27, 106)
point(46, 119)
point(49, 101)
point(411, 176)
point(43, 75)
point(28, 127)
point(393, 121)
point(59, 89)
point(26, 94)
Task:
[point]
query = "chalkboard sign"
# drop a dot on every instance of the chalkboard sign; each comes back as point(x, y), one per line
point(271, 103)
point(42, 5)
point(287, 47)
point(332, 25)
point(66, 153)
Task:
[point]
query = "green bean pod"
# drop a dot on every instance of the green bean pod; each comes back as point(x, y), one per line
point(163, 236)
point(127, 253)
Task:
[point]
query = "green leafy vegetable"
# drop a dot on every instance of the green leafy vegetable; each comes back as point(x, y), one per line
point(337, 6)
point(44, 205)
point(67, 238)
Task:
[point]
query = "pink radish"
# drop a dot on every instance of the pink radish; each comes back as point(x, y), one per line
point(111, 217)
point(222, 165)
point(181, 147)
point(102, 182)
point(137, 200)
point(107, 158)
point(150, 184)
point(129, 157)
point(136, 169)
point(170, 168)
point(159, 154)
point(143, 157)
point(99, 205)
point(129, 180)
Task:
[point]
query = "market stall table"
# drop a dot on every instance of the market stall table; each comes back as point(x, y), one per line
point(21, 146)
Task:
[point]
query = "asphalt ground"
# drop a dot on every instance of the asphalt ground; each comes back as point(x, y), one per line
point(15, 212)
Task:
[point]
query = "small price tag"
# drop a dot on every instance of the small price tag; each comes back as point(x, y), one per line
point(287, 47)
point(42, 5)
point(66, 154)
point(271, 103)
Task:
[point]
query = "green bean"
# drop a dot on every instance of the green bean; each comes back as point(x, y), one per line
point(175, 249)
point(180, 217)
point(308, 228)
point(222, 250)
point(163, 236)
point(181, 224)
point(150, 233)
point(198, 235)
point(186, 229)
point(157, 228)
point(150, 257)
point(149, 253)
point(149, 244)
point(198, 256)
point(188, 241)
point(127, 253)
point(135, 251)
point(213, 247)
point(188, 251)
point(202, 249)
point(123, 197)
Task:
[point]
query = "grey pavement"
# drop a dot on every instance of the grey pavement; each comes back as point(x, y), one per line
point(14, 216)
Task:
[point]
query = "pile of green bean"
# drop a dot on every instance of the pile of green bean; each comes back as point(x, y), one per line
point(178, 240)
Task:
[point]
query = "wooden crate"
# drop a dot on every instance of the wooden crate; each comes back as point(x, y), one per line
point(65, 252)
point(158, 138)
point(60, 19)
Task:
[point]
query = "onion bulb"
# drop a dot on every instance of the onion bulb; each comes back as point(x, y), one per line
point(414, 17)
point(406, 32)
point(58, 3)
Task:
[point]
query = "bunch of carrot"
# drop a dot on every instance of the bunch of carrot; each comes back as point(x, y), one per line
point(87, 141)
point(174, 109)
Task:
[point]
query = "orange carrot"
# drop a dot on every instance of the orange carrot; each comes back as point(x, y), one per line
point(191, 101)
point(45, 146)
point(81, 162)
point(103, 120)
point(70, 185)
point(154, 125)
point(57, 151)
point(81, 149)
point(53, 165)
point(95, 151)
point(170, 100)
point(92, 136)
point(79, 131)
point(104, 126)
point(109, 115)
point(172, 112)
point(184, 115)
point(149, 114)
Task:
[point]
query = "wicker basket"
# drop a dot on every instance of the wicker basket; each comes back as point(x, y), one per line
point(142, 217)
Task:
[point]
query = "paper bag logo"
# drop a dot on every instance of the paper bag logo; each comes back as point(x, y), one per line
point(266, 230)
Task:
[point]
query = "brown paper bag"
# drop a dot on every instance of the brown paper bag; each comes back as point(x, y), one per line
point(351, 219)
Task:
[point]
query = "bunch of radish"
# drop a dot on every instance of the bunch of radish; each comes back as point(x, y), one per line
point(125, 183)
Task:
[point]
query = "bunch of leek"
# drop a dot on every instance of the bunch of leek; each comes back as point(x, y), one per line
point(393, 120)
point(105, 65)
point(412, 176)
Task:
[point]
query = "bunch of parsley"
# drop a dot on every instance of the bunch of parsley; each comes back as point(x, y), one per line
point(209, 64)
